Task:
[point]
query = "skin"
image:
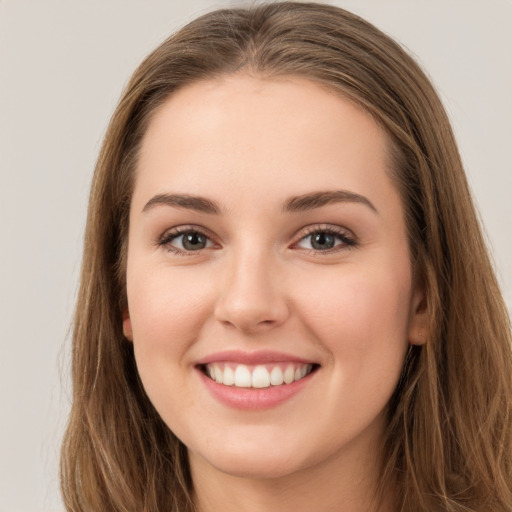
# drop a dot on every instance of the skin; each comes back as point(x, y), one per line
point(250, 144)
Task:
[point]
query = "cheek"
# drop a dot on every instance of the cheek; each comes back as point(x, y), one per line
point(362, 320)
point(167, 312)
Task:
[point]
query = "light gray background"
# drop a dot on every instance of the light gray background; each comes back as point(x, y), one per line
point(62, 66)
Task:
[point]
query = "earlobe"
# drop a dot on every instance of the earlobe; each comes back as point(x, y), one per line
point(127, 325)
point(418, 336)
point(419, 321)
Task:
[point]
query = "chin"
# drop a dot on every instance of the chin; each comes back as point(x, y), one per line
point(258, 468)
point(255, 461)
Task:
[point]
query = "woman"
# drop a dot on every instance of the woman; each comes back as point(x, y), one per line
point(286, 301)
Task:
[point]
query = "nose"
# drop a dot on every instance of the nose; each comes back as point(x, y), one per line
point(252, 297)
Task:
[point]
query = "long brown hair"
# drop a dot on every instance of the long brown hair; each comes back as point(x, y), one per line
point(449, 438)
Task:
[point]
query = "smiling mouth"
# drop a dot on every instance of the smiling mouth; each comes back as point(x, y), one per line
point(257, 376)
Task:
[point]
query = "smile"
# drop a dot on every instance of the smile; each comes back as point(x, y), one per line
point(255, 380)
point(256, 376)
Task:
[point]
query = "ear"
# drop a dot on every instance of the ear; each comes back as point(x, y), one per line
point(419, 318)
point(127, 325)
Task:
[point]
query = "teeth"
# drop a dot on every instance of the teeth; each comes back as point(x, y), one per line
point(242, 376)
point(289, 375)
point(276, 376)
point(229, 376)
point(259, 376)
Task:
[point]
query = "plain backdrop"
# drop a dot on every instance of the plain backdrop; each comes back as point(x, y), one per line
point(63, 65)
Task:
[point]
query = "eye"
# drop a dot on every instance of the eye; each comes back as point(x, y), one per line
point(325, 240)
point(185, 241)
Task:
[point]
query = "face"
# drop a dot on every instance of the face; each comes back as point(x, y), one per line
point(270, 293)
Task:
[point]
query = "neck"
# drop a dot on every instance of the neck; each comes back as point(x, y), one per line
point(347, 485)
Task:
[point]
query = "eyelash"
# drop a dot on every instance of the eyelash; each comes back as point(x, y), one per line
point(169, 236)
point(347, 239)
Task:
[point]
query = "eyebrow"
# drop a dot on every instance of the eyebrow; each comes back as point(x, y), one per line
point(188, 202)
point(300, 203)
point(318, 199)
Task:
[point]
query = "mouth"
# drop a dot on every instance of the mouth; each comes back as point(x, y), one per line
point(257, 376)
point(255, 381)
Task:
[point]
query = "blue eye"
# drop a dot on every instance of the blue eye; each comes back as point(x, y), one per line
point(193, 241)
point(325, 240)
point(186, 241)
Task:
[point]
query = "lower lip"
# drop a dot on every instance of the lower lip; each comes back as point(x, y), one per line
point(254, 398)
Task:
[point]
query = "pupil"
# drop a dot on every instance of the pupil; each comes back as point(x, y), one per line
point(323, 241)
point(194, 241)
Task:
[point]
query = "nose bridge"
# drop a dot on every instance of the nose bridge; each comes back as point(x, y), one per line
point(252, 297)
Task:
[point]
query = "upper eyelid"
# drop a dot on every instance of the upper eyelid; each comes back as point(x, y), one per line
point(304, 232)
point(345, 235)
point(339, 230)
point(177, 231)
point(165, 241)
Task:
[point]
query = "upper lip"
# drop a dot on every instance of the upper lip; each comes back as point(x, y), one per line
point(251, 358)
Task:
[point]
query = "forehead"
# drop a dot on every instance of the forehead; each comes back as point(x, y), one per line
point(284, 134)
